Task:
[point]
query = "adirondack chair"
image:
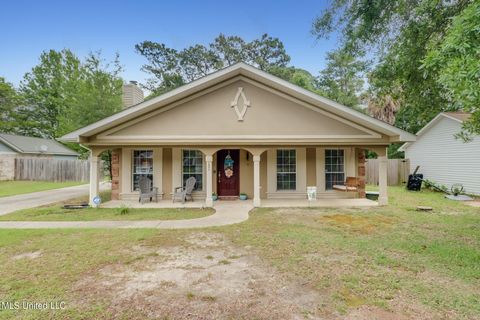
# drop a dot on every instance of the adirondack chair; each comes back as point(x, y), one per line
point(183, 193)
point(147, 191)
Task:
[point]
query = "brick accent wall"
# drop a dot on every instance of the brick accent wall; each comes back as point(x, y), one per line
point(116, 159)
point(361, 171)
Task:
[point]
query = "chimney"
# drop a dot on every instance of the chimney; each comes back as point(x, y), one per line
point(131, 94)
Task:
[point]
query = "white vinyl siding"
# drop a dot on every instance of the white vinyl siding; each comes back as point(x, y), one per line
point(444, 159)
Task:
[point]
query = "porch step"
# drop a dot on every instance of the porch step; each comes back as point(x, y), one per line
point(228, 198)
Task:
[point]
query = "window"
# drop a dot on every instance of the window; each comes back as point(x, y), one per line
point(142, 166)
point(286, 170)
point(334, 168)
point(193, 167)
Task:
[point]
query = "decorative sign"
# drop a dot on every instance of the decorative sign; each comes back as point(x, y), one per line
point(97, 200)
point(246, 104)
point(228, 166)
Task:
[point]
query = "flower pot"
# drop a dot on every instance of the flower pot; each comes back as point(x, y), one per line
point(214, 197)
point(243, 197)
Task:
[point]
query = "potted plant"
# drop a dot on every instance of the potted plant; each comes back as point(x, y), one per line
point(243, 196)
point(214, 196)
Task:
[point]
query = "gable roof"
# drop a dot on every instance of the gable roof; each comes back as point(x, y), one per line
point(239, 69)
point(459, 117)
point(31, 145)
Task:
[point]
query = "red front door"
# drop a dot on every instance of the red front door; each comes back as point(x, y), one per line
point(228, 174)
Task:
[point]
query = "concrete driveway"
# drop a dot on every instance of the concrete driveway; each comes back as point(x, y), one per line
point(41, 198)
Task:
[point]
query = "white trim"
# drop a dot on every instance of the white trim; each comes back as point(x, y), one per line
point(233, 137)
point(225, 74)
point(246, 104)
point(325, 163)
point(203, 169)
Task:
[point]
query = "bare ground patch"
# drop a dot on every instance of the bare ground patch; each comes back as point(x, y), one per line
point(28, 255)
point(206, 278)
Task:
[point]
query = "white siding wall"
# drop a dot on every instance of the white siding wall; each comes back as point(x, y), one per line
point(447, 160)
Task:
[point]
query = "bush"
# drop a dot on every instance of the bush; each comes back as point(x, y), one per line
point(123, 210)
point(431, 185)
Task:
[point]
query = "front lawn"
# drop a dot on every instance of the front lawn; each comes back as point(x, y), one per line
point(375, 263)
point(10, 188)
point(57, 213)
point(425, 265)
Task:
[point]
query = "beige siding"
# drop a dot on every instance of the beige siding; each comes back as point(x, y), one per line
point(301, 173)
point(126, 191)
point(311, 167)
point(310, 171)
point(167, 173)
point(246, 173)
point(444, 159)
point(350, 171)
point(196, 118)
point(263, 176)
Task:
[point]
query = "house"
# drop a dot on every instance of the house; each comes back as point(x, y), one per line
point(15, 146)
point(239, 130)
point(442, 157)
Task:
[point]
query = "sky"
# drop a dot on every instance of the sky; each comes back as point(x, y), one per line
point(30, 27)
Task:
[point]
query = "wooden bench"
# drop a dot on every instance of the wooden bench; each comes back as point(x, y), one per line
point(351, 185)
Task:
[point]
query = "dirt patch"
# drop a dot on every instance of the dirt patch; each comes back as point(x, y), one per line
point(373, 313)
point(475, 203)
point(206, 278)
point(359, 223)
point(28, 255)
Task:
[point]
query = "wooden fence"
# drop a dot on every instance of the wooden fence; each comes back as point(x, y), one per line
point(398, 170)
point(59, 170)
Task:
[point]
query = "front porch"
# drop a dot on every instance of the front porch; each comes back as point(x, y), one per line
point(269, 176)
point(267, 203)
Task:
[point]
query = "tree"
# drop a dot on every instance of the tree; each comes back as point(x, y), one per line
point(299, 77)
point(342, 79)
point(9, 101)
point(171, 68)
point(62, 93)
point(398, 35)
point(456, 61)
point(47, 91)
point(98, 95)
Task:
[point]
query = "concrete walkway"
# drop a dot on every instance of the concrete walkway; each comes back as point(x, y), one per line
point(226, 212)
point(41, 198)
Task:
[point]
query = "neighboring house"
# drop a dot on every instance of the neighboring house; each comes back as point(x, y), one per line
point(15, 146)
point(237, 130)
point(443, 158)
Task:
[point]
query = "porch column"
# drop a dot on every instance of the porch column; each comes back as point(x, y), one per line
point(208, 164)
point(382, 178)
point(256, 181)
point(93, 178)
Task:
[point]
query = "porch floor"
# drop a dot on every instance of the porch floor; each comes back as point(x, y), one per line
point(266, 203)
point(159, 204)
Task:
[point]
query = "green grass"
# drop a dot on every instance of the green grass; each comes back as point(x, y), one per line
point(377, 255)
point(386, 257)
point(57, 213)
point(10, 188)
